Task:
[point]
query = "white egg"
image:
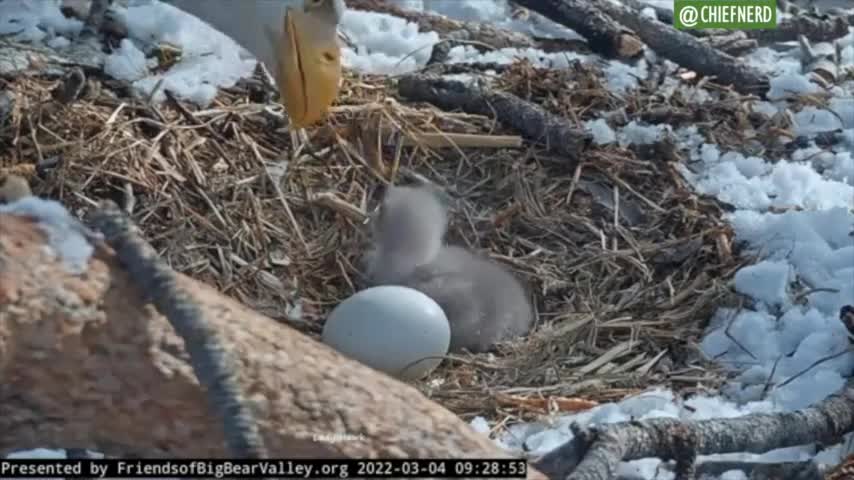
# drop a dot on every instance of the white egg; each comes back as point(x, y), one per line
point(393, 329)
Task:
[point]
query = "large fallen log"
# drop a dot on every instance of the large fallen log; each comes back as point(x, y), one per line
point(674, 45)
point(84, 362)
point(817, 28)
point(687, 51)
point(479, 32)
point(604, 35)
point(595, 453)
point(480, 35)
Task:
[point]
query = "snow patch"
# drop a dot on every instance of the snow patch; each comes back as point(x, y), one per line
point(65, 234)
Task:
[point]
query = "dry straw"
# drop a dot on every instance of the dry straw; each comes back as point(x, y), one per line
point(625, 262)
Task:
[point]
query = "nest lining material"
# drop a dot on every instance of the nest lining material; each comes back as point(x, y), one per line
point(625, 262)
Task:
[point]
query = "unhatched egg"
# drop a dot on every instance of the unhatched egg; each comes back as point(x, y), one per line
point(394, 329)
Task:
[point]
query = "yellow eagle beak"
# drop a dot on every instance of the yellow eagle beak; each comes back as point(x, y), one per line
point(309, 67)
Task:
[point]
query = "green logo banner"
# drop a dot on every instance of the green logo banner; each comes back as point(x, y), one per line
point(725, 14)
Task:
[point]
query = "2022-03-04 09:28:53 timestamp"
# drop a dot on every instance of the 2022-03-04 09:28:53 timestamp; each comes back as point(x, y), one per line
point(448, 468)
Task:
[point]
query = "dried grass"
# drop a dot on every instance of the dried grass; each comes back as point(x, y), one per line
point(624, 277)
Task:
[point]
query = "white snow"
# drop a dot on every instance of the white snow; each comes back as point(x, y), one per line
point(65, 233)
point(844, 108)
point(765, 282)
point(752, 183)
point(812, 120)
point(480, 425)
point(636, 133)
point(786, 346)
point(33, 21)
point(385, 44)
point(497, 13)
point(126, 63)
point(602, 132)
point(790, 84)
point(209, 58)
point(58, 42)
point(38, 453)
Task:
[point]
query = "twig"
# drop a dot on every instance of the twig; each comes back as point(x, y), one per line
point(332, 201)
point(821, 67)
point(460, 140)
point(814, 364)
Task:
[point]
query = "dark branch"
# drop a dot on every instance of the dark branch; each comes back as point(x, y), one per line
point(596, 453)
point(604, 35)
point(530, 119)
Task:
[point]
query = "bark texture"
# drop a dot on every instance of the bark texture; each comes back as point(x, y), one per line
point(604, 35)
point(688, 51)
point(476, 31)
point(85, 363)
point(480, 35)
point(530, 119)
point(815, 28)
point(595, 454)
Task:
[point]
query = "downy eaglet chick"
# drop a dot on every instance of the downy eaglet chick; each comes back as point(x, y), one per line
point(483, 301)
point(408, 232)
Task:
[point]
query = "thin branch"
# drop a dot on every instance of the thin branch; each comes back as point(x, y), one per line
point(596, 453)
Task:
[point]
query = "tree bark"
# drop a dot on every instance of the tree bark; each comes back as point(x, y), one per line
point(479, 32)
point(480, 35)
point(85, 362)
point(688, 51)
point(815, 28)
point(604, 35)
point(596, 453)
point(733, 43)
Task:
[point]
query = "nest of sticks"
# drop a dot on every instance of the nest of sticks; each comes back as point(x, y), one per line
point(626, 263)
